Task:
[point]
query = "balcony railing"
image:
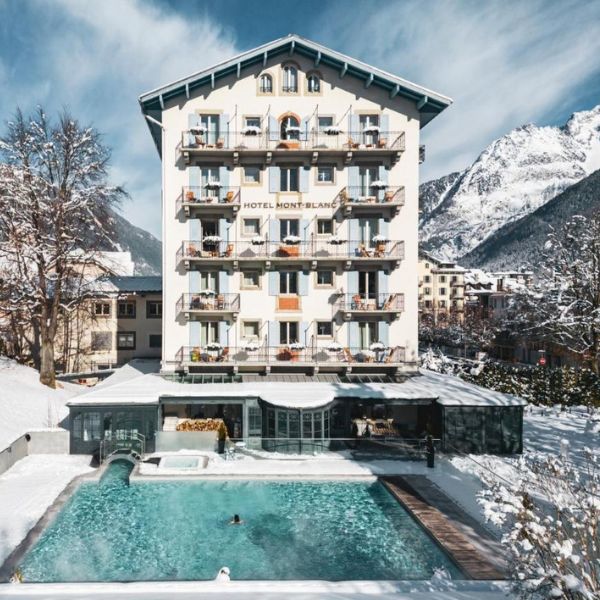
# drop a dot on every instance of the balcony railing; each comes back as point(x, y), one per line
point(215, 355)
point(209, 196)
point(370, 303)
point(365, 195)
point(315, 249)
point(208, 302)
point(194, 140)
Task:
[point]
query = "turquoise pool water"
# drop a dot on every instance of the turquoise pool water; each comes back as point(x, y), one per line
point(179, 530)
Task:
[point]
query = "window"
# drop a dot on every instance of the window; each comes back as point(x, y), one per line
point(442, 279)
point(251, 174)
point(427, 303)
point(126, 310)
point(290, 128)
point(427, 265)
point(313, 84)
point(91, 426)
point(368, 333)
point(427, 291)
point(265, 84)
point(102, 309)
point(101, 341)
point(154, 309)
point(289, 227)
point(126, 340)
point(366, 176)
point(454, 279)
point(324, 226)
point(251, 226)
point(369, 128)
point(250, 330)
point(324, 122)
point(325, 174)
point(442, 291)
point(427, 278)
point(324, 329)
point(252, 122)
point(155, 340)
point(250, 279)
point(289, 179)
point(210, 128)
point(208, 281)
point(290, 80)
point(325, 278)
point(288, 282)
point(209, 332)
point(288, 332)
point(442, 304)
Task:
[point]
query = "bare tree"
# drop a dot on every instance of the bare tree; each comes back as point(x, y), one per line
point(54, 201)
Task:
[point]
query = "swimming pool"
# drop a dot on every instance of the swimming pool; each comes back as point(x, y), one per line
point(179, 530)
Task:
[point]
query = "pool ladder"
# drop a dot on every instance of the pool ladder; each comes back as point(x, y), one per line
point(133, 444)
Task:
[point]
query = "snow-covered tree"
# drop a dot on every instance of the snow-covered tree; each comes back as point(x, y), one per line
point(563, 308)
point(54, 199)
point(550, 519)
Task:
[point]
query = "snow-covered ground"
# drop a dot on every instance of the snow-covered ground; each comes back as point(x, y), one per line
point(28, 488)
point(26, 404)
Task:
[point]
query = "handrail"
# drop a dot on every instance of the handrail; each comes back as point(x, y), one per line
point(371, 302)
point(122, 440)
point(208, 301)
point(367, 194)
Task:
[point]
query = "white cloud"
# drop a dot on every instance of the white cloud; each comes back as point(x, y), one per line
point(503, 63)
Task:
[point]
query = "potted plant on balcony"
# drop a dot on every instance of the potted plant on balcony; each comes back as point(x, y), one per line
point(214, 346)
point(378, 184)
point(332, 130)
point(189, 196)
point(198, 129)
point(211, 240)
point(291, 245)
point(251, 130)
point(257, 240)
point(295, 349)
point(195, 354)
point(336, 240)
point(334, 347)
point(251, 346)
point(371, 129)
point(221, 437)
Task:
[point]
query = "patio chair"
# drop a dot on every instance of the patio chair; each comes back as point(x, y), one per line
point(362, 251)
point(357, 303)
point(228, 251)
point(220, 301)
point(348, 355)
point(224, 356)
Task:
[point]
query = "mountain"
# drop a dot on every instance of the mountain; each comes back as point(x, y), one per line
point(146, 250)
point(511, 178)
point(521, 243)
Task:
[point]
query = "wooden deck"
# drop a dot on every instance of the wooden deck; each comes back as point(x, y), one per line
point(438, 515)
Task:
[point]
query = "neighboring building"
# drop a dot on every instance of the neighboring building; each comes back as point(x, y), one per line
point(441, 290)
point(290, 213)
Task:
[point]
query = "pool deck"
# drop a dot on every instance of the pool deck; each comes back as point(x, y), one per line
point(449, 525)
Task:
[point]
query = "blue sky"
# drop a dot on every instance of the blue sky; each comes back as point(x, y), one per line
point(504, 63)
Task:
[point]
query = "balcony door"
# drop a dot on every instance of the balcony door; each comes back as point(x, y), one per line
point(209, 332)
point(209, 281)
point(289, 227)
point(366, 177)
point(367, 334)
point(209, 176)
point(369, 136)
point(211, 124)
point(367, 284)
point(367, 230)
point(290, 128)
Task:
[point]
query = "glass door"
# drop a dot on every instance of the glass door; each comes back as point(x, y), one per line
point(367, 284)
point(367, 175)
point(369, 126)
point(367, 334)
point(209, 177)
point(211, 125)
point(368, 229)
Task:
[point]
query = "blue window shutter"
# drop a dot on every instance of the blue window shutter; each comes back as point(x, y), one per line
point(273, 129)
point(353, 335)
point(274, 231)
point(303, 283)
point(223, 229)
point(194, 176)
point(224, 177)
point(384, 228)
point(304, 128)
point(353, 181)
point(274, 179)
point(223, 333)
point(224, 128)
point(384, 124)
point(223, 282)
point(352, 282)
point(353, 126)
point(195, 230)
point(304, 225)
point(384, 333)
point(304, 177)
point(273, 283)
point(353, 235)
point(273, 333)
point(304, 333)
point(194, 329)
point(194, 282)
point(383, 176)
point(193, 120)
point(382, 287)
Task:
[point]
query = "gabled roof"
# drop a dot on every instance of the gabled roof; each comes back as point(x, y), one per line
point(429, 103)
point(137, 284)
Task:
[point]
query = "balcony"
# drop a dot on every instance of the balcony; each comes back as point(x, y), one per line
point(201, 201)
point(366, 198)
point(307, 253)
point(208, 304)
point(312, 144)
point(382, 305)
point(257, 358)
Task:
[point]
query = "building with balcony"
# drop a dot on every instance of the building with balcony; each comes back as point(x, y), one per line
point(441, 290)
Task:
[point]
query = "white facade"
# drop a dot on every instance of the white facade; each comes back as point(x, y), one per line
point(271, 180)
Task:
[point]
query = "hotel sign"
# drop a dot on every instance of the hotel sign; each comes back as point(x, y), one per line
point(288, 204)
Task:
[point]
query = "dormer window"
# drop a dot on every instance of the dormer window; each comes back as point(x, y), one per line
point(290, 79)
point(313, 84)
point(265, 85)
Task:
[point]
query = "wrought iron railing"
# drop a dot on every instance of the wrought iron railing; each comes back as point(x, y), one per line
point(370, 302)
point(209, 195)
point(122, 441)
point(368, 195)
point(208, 301)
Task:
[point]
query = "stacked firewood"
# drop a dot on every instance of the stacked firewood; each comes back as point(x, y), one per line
point(200, 425)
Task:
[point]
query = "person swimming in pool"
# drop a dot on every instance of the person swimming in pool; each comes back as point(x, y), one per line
point(236, 520)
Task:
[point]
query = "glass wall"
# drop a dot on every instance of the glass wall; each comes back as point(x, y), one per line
point(293, 431)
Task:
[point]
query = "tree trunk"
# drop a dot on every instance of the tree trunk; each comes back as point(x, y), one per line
point(47, 370)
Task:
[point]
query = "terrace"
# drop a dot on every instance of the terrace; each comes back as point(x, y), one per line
point(354, 199)
point(382, 305)
point(208, 303)
point(196, 201)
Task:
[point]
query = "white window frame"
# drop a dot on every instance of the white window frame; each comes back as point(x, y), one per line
point(286, 180)
point(253, 233)
point(319, 181)
point(289, 339)
point(288, 280)
point(325, 285)
point(321, 336)
point(245, 322)
point(251, 183)
point(244, 285)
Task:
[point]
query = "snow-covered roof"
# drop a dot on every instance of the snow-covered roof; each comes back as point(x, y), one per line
point(137, 284)
point(151, 388)
point(429, 103)
point(118, 263)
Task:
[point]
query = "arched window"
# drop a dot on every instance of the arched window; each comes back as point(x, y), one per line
point(266, 84)
point(290, 79)
point(290, 128)
point(313, 84)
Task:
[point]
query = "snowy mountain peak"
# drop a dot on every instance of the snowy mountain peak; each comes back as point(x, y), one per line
point(512, 177)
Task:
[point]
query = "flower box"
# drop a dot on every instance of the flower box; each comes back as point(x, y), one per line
point(292, 239)
point(251, 130)
point(332, 130)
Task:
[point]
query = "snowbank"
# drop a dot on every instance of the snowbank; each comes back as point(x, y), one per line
point(26, 404)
